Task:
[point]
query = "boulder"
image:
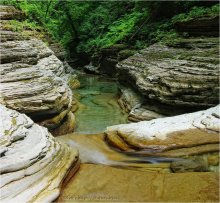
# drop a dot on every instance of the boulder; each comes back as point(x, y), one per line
point(178, 136)
point(33, 163)
point(196, 165)
point(182, 76)
point(91, 69)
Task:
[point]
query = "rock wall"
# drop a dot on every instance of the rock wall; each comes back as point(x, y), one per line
point(131, 102)
point(183, 76)
point(33, 80)
point(33, 164)
point(206, 26)
point(105, 61)
point(179, 77)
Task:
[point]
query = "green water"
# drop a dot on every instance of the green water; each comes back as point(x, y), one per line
point(98, 104)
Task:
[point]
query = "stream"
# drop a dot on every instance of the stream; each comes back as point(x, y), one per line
point(107, 175)
point(98, 106)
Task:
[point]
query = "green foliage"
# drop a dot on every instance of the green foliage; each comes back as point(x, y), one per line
point(18, 26)
point(115, 32)
point(197, 12)
point(88, 26)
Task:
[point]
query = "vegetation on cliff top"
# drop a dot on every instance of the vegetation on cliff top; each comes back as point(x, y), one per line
point(88, 26)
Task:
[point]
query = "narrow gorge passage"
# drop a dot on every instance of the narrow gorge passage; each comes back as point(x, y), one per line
point(98, 106)
point(109, 108)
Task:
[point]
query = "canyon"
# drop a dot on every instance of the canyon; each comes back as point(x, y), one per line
point(150, 133)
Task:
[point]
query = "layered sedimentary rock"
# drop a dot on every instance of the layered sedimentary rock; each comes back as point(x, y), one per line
point(183, 77)
point(133, 104)
point(33, 80)
point(9, 12)
point(206, 26)
point(178, 136)
point(32, 164)
point(30, 79)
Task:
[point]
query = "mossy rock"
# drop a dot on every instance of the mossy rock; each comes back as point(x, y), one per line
point(73, 82)
point(114, 49)
point(123, 54)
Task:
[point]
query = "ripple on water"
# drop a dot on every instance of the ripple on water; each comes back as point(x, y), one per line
point(98, 104)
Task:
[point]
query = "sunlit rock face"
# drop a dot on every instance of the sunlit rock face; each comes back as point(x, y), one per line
point(33, 80)
point(29, 78)
point(178, 136)
point(182, 77)
point(32, 164)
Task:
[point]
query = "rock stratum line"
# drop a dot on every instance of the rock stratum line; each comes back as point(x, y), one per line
point(32, 164)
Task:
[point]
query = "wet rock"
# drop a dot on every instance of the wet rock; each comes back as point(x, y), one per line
point(187, 165)
point(67, 126)
point(182, 76)
point(91, 69)
point(33, 164)
point(140, 113)
point(177, 136)
point(129, 99)
point(73, 82)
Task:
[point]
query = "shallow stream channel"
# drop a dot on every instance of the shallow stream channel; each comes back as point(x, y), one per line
point(108, 175)
point(98, 106)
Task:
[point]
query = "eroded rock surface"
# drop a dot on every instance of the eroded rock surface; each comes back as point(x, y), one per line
point(9, 12)
point(124, 185)
point(134, 105)
point(32, 164)
point(182, 77)
point(33, 80)
point(178, 136)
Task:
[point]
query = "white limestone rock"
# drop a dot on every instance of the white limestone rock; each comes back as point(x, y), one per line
point(32, 164)
point(183, 76)
point(187, 130)
point(32, 79)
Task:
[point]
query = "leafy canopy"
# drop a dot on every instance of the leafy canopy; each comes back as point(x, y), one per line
point(88, 26)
